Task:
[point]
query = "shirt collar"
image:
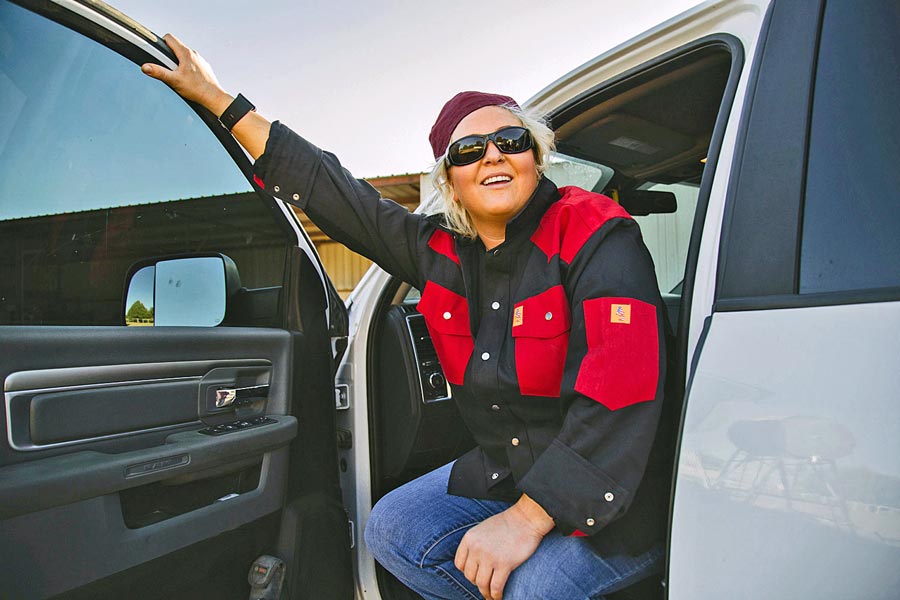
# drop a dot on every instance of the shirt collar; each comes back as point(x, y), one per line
point(544, 195)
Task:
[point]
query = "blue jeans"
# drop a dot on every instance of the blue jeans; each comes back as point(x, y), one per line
point(414, 531)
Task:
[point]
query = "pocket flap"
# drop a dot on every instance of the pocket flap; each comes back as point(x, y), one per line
point(546, 315)
point(444, 311)
point(621, 366)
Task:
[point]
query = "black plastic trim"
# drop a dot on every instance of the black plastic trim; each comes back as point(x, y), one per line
point(806, 300)
point(121, 373)
point(45, 483)
point(759, 246)
point(70, 415)
point(376, 326)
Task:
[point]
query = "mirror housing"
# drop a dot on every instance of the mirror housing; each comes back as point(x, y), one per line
point(186, 290)
point(640, 203)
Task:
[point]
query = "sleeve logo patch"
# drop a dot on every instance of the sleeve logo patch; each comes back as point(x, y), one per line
point(621, 313)
point(518, 316)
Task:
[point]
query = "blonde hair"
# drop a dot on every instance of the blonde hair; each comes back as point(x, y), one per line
point(457, 217)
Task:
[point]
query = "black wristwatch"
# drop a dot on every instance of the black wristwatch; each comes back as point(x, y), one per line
point(236, 111)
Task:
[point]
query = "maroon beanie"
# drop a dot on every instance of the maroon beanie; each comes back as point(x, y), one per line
point(456, 109)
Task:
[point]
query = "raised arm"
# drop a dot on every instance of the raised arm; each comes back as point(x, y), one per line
point(194, 80)
point(347, 209)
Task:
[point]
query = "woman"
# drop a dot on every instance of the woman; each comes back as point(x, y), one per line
point(543, 306)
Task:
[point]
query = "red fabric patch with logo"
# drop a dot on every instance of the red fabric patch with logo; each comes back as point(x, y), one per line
point(621, 366)
point(442, 243)
point(447, 317)
point(540, 328)
point(570, 222)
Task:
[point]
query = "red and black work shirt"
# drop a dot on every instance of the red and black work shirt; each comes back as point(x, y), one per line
point(552, 341)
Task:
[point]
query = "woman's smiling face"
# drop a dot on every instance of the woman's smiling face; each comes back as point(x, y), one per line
point(495, 188)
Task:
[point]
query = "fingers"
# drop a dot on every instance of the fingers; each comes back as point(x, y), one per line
point(498, 583)
point(157, 72)
point(462, 552)
point(483, 581)
point(162, 73)
point(177, 46)
point(489, 580)
point(471, 571)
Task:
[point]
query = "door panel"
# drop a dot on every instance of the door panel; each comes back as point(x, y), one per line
point(110, 486)
point(83, 509)
point(792, 451)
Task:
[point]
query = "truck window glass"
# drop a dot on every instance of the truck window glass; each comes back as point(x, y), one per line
point(851, 224)
point(101, 167)
point(649, 133)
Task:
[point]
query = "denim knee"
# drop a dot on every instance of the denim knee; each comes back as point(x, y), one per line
point(377, 533)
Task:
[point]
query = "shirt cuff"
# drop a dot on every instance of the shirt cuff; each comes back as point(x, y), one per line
point(288, 167)
point(576, 493)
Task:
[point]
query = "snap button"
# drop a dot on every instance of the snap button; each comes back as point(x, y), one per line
point(447, 316)
point(485, 356)
point(296, 196)
point(495, 305)
point(609, 497)
point(495, 407)
point(548, 316)
point(496, 252)
point(495, 475)
point(515, 441)
point(277, 188)
point(590, 522)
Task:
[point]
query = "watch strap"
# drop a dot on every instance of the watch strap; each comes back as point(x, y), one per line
point(236, 111)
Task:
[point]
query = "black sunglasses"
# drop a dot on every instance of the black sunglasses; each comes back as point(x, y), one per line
point(469, 149)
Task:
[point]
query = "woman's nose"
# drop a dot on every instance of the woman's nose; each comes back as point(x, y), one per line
point(492, 153)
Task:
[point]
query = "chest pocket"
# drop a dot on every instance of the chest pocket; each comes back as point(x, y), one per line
point(540, 328)
point(447, 317)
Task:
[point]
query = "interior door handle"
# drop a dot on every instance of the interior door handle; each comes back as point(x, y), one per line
point(227, 396)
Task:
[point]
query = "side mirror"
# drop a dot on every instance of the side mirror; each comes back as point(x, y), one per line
point(186, 291)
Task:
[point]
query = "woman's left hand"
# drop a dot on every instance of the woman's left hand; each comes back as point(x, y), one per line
point(192, 78)
point(493, 549)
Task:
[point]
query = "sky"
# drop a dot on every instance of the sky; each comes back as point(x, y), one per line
point(366, 79)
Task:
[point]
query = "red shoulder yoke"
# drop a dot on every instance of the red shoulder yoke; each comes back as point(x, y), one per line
point(570, 222)
point(442, 243)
